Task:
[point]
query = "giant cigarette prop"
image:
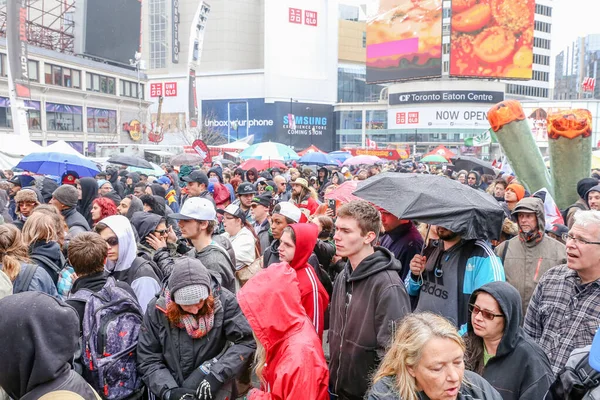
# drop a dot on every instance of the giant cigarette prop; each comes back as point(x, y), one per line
point(508, 121)
point(570, 143)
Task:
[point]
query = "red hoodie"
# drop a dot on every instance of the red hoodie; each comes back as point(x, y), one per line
point(295, 365)
point(314, 296)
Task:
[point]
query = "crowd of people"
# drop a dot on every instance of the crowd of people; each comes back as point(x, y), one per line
point(211, 282)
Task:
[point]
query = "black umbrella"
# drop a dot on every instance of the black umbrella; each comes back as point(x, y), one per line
point(436, 200)
point(130, 161)
point(471, 163)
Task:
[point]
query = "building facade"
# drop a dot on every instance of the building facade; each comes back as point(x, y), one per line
point(573, 65)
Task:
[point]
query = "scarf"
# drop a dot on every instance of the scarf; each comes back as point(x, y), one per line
point(535, 236)
point(196, 327)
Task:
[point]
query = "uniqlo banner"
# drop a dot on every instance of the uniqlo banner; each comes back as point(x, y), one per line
point(16, 35)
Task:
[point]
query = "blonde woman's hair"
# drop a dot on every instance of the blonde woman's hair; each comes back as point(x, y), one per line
point(60, 225)
point(12, 250)
point(260, 358)
point(412, 336)
point(39, 227)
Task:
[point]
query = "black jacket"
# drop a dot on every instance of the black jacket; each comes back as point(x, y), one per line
point(75, 221)
point(89, 192)
point(116, 183)
point(51, 251)
point(520, 368)
point(37, 360)
point(365, 306)
point(167, 355)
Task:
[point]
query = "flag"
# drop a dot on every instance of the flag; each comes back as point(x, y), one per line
point(292, 122)
point(483, 139)
point(588, 84)
point(371, 144)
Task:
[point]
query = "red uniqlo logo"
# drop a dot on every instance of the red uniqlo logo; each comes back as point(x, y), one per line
point(400, 118)
point(155, 89)
point(170, 89)
point(413, 117)
point(310, 18)
point(295, 15)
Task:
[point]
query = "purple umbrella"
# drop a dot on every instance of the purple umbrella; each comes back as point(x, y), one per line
point(363, 160)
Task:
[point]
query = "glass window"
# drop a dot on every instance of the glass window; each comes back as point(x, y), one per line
point(352, 86)
point(57, 75)
point(158, 33)
point(34, 115)
point(68, 80)
point(48, 74)
point(32, 69)
point(76, 79)
point(101, 121)
point(63, 117)
point(364, 40)
point(5, 116)
point(3, 65)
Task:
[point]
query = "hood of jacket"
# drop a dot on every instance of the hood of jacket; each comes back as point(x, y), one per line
point(112, 175)
point(325, 178)
point(252, 170)
point(509, 300)
point(135, 178)
point(306, 239)
point(381, 260)
point(587, 194)
point(48, 249)
point(218, 171)
point(44, 346)
point(89, 192)
point(532, 205)
point(114, 196)
point(145, 223)
point(340, 177)
point(477, 178)
point(158, 190)
point(271, 303)
point(122, 228)
point(135, 206)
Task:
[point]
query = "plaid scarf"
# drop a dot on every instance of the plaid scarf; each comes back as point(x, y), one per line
point(196, 327)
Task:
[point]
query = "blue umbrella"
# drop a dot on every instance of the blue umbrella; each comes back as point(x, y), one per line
point(317, 158)
point(269, 151)
point(56, 164)
point(341, 155)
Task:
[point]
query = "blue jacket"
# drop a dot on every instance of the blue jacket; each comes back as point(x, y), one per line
point(477, 265)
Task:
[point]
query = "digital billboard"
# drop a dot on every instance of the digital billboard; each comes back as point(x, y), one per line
point(492, 38)
point(112, 29)
point(295, 124)
point(404, 41)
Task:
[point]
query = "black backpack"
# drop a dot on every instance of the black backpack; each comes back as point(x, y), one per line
point(49, 265)
point(573, 383)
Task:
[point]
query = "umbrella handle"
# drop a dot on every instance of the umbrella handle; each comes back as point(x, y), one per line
point(420, 280)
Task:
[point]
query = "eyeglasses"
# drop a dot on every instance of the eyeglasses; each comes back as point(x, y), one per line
point(112, 241)
point(567, 236)
point(473, 309)
point(161, 232)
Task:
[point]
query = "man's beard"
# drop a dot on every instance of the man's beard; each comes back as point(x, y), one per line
point(447, 235)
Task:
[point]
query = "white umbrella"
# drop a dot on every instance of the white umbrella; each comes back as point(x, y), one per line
point(269, 151)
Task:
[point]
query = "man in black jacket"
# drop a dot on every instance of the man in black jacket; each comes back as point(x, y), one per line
point(368, 300)
point(65, 199)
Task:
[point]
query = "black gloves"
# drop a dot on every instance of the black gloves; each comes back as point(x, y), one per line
point(193, 381)
point(208, 388)
point(179, 394)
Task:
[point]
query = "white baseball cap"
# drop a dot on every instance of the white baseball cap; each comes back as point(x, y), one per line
point(197, 208)
point(290, 211)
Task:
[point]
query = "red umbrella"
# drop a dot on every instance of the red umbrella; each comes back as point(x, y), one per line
point(261, 165)
point(312, 148)
point(343, 193)
point(441, 151)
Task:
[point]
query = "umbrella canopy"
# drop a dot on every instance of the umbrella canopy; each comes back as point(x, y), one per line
point(130, 161)
point(269, 151)
point(360, 160)
point(156, 170)
point(186, 159)
point(433, 159)
point(311, 149)
point(343, 193)
point(470, 163)
point(341, 155)
point(436, 200)
point(318, 159)
point(261, 165)
point(56, 164)
point(441, 151)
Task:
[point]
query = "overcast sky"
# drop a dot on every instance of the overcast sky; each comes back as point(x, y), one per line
point(573, 18)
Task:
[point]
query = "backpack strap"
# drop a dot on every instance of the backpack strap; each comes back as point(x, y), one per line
point(504, 252)
point(26, 278)
point(47, 262)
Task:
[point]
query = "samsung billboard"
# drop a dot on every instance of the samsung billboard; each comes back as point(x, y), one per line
point(295, 124)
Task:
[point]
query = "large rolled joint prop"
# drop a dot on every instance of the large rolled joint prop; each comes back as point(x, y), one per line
point(570, 144)
point(508, 121)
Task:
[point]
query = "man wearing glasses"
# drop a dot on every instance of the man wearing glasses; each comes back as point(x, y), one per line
point(283, 193)
point(564, 312)
point(531, 253)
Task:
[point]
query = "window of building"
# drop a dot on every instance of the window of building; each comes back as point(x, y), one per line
point(63, 117)
point(130, 89)
point(543, 10)
point(158, 33)
point(3, 65)
point(100, 83)
point(101, 121)
point(62, 76)
point(542, 26)
point(364, 40)
point(5, 116)
point(352, 85)
point(32, 68)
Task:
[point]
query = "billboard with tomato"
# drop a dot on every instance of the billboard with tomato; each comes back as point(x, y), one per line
point(404, 40)
point(492, 38)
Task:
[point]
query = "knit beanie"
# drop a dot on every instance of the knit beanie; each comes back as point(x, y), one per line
point(584, 185)
point(189, 282)
point(67, 195)
point(518, 189)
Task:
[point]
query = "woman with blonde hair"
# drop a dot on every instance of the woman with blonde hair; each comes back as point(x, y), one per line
point(426, 362)
point(60, 225)
point(14, 262)
point(41, 237)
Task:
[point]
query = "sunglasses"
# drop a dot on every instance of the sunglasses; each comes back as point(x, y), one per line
point(473, 309)
point(161, 232)
point(112, 241)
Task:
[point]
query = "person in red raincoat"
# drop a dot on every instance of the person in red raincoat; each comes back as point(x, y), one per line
point(296, 247)
point(289, 357)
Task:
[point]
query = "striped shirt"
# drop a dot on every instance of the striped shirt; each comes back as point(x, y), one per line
point(563, 314)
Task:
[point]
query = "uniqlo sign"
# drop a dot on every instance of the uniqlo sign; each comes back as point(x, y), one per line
point(295, 15)
point(156, 89)
point(413, 117)
point(310, 18)
point(401, 118)
point(170, 89)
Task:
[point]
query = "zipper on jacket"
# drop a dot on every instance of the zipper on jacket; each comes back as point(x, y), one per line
point(344, 323)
